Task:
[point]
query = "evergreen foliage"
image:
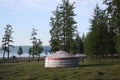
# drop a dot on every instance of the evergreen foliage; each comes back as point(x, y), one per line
point(30, 51)
point(63, 28)
point(79, 44)
point(113, 10)
point(37, 48)
point(37, 44)
point(7, 40)
point(96, 42)
point(20, 51)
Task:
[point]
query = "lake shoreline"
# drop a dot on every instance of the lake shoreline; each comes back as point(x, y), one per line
point(21, 59)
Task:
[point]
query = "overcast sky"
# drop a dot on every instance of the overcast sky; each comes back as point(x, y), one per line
point(24, 15)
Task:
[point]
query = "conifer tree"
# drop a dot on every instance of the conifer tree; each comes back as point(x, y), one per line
point(30, 52)
point(37, 48)
point(79, 45)
point(55, 31)
point(37, 44)
point(33, 38)
point(7, 40)
point(113, 10)
point(96, 39)
point(63, 27)
point(20, 51)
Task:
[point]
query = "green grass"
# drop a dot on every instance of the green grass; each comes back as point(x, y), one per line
point(88, 70)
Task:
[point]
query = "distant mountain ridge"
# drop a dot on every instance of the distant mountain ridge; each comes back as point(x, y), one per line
point(25, 49)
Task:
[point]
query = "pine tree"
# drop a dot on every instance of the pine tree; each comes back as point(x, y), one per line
point(96, 40)
point(79, 44)
point(37, 48)
point(33, 38)
point(82, 44)
point(7, 39)
point(37, 44)
point(63, 27)
point(113, 10)
point(55, 31)
point(20, 51)
point(30, 52)
point(69, 27)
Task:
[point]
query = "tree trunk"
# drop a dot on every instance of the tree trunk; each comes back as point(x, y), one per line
point(8, 49)
point(8, 54)
point(29, 58)
point(19, 56)
point(4, 55)
point(38, 58)
point(33, 56)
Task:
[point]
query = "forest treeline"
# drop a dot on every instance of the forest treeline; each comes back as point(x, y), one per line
point(101, 41)
point(7, 42)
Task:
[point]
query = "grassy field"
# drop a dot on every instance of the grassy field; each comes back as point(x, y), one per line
point(87, 70)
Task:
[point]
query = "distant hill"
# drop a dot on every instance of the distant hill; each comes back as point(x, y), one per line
point(25, 49)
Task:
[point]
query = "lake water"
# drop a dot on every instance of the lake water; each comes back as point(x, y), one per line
point(23, 55)
point(27, 55)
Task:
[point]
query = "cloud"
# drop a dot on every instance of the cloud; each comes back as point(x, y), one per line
point(20, 5)
point(46, 5)
point(69, 0)
point(27, 1)
point(86, 2)
point(33, 1)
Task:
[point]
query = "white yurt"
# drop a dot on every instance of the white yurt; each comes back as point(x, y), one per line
point(61, 59)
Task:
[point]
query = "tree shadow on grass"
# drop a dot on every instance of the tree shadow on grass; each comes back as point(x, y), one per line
point(89, 65)
point(98, 64)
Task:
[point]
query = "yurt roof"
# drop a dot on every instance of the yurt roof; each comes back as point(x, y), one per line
point(61, 55)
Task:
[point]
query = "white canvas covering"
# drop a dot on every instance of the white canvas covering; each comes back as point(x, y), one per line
point(61, 59)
